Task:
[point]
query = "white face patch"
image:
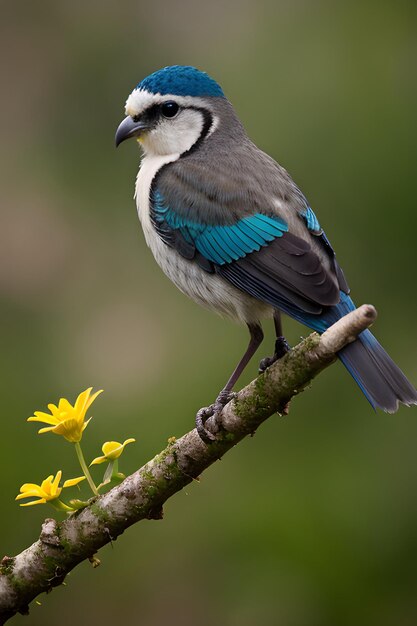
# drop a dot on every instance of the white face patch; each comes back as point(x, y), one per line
point(176, 135)
point(170, 135)
point(138, 101)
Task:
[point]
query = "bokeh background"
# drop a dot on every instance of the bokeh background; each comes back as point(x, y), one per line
point(314, 521)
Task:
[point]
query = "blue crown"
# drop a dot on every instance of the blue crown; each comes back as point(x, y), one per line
point(181, 80)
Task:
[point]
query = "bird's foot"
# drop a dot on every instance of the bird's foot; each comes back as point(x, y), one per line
point(266, 362)
point(200, 419)
point(214, 409)
point(281, 349)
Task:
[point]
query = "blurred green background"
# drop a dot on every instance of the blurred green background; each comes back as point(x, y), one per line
point(314, 521)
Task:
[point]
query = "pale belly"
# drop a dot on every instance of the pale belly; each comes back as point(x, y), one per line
point(208, 290)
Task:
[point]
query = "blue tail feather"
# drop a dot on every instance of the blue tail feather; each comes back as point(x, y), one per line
point(380, 379)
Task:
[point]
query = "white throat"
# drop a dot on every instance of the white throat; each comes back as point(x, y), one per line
point(150, 165)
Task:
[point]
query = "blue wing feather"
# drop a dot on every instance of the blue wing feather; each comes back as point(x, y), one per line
point(224, 243)
point(229, 244)
point(251, 232)
point(223, 250)
point(311, 221)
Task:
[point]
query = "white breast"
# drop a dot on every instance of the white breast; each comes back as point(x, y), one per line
point(148, 168)
point(209, 290)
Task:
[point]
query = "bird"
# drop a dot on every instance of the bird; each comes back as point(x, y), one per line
point(231, 229)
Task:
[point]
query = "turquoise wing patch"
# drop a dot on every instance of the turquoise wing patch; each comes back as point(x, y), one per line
point(223, 243)
point(311, 221)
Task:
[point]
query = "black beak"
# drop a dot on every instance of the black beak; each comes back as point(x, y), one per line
point(128, 128)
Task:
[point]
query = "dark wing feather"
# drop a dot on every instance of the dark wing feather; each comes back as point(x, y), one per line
point(287, 268)
point(214, 218)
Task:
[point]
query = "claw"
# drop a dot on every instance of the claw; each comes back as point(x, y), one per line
point(281, 349)
point(265, 363)
point(200, 420)
point(214, 409)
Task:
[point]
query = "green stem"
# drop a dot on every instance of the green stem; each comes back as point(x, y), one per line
point(61, 506)
point(85, 468)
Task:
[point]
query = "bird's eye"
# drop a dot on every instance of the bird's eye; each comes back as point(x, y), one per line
point(169, 108)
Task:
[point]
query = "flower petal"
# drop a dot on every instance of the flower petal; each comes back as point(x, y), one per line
point(73, 481)
point(92, 398)
point(64, 405)
point(47, 480)
point(110, 447)
point(55, 483)
point(98, 460)
point(47, 429)
point(43, 417)
point(86, 424)
point(41, 501)
point(28, 494)
point(46, 488)
point(29, 486)
point(131, 440)
point(81, 401)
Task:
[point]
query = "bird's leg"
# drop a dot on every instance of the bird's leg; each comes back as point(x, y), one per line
point(256, 337)
point(281, 345)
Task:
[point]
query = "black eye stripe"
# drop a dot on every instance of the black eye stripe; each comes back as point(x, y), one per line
point(154, 112)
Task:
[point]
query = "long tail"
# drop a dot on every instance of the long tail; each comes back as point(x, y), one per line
point(380, 379)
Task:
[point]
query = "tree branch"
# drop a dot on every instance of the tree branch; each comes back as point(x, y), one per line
point(61, 546)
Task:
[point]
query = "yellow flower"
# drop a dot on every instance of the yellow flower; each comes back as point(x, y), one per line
point(65, 419)
point(48, 491)
point(111, 450)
